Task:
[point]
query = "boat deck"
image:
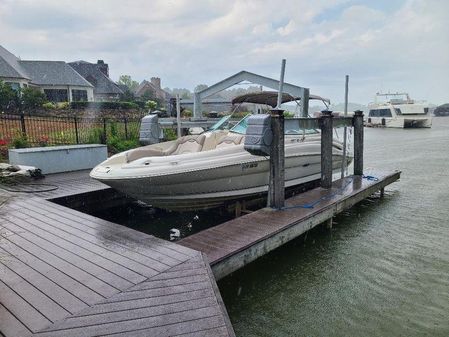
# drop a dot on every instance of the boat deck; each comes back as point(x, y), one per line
point(65, 273)
point(235, 243)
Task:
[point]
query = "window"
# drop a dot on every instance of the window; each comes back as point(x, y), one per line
point(15, 86)
point(398, 111)
point(56, 95)
point(79, 95)
point(380, 113)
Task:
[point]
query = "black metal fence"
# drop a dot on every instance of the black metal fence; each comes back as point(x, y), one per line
point(20, 130)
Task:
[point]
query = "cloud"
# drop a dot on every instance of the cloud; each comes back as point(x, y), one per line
point(381, 46)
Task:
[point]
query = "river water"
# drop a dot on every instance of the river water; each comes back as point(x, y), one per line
point(383, 270)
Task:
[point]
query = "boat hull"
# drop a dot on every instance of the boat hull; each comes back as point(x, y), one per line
point(212, 187)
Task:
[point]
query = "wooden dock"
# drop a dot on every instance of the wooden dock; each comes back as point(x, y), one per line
point(235, 243)
point(65, 273)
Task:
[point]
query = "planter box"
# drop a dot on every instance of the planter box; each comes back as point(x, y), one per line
point(55, 159)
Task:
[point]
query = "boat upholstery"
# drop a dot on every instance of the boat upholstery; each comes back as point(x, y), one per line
point(186, 144)
point(182, 145)
point(229, 140)
point(142, 152)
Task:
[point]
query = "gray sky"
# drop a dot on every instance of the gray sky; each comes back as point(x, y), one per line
point(397, 45)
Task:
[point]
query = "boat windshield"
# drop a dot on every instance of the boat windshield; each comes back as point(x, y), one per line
point(290, 127)
point(221, 124)
point(241, 126)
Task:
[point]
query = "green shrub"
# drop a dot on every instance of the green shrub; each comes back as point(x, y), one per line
point(289, 114)
point(170, 134)
point(95, 136)
point(49, 106)
point(186, 113)
point(32, 98)
point(62, 105)
point(20, 141)
point(105, 105)
point(117, 144)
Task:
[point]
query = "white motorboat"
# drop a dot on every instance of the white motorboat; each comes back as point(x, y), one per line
point(210, 169)
point(398, 112)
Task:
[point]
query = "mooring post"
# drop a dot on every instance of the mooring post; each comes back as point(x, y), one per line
point(326, 148)
point(277, 165)
point(358, 142)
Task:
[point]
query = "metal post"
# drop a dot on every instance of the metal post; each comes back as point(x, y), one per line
point(277, 165)
point(358, 142)
point(104, 131)
point(76, 130)
point(326, 149)
point(305, 103)
point(345, 131)
point(22, 123)
point(126, 127)
point(178, 115)
point(281, 85)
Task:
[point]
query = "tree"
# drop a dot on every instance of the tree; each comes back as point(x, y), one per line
point(8, 96)
point(127, 81)
point(200, 87)
point(151, 105)
point(32, 98)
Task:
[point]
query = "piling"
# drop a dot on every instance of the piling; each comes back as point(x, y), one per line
point(358, 142)
point(277, 165)
point(326, 149)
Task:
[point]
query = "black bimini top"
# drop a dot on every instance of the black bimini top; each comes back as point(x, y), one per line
point(270, 98)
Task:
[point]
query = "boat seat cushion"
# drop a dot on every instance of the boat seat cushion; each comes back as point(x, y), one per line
point(229, 140)
point(142, 152)
point(186, 144)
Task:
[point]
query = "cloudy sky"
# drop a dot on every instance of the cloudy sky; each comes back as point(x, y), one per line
point(397, 45)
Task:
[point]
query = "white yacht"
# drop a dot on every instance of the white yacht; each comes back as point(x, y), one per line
point(210, 169)
point(398, 112)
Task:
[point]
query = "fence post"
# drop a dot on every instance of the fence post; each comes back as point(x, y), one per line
point(326, 149)
point(358, 142)
point(22, 123)
point(76, 130)
point(104, 131)
point(126, 127)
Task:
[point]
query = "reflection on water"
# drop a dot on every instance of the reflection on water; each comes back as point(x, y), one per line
point(383, 270)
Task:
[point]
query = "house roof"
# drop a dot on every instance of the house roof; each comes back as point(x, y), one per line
point(53, 73)
point(144, 86)
point(10, 65)
point(90, 71)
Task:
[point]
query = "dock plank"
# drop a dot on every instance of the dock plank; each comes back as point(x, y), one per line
point(56, 293)
point(244, 238)
point(11, 325)
point(71, 285)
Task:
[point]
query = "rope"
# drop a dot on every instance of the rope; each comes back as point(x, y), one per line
point(370, 178)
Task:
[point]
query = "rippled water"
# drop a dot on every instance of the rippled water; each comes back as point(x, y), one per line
point(383, 270)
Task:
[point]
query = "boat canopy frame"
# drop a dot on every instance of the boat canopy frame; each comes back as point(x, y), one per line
point(294, 90)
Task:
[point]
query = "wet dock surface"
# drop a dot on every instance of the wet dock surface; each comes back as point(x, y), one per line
point(235, 243)
point(66, 273)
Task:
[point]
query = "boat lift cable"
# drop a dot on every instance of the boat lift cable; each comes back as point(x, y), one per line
point(330, 195)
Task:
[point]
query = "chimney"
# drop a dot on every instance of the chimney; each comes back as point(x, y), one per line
point(104, 68)
point(156, 81)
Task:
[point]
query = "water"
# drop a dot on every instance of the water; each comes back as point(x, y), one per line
point(383, 270)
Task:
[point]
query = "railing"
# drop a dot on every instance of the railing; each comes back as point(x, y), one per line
point(43, 130)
